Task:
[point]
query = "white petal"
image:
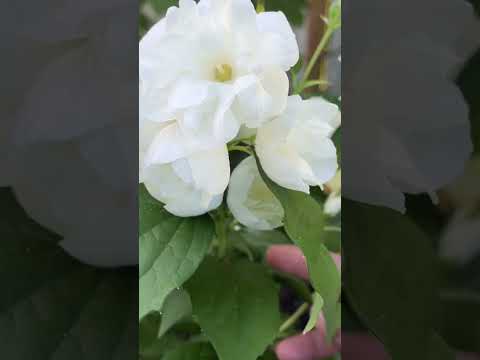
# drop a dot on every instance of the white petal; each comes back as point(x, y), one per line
point(278, 44)
point(179, 197)
point(211, 169)
point(282, 165)
point(212, 122)
point(233, 14)
point(187, 93)
point(147, 132)
point(181, 18)
point(295, 148)
point(333, 205)
point(263, 99)
point(324, 113)
point(162, 56)
point(318, 151)
point(167, 146)
point(250, 200)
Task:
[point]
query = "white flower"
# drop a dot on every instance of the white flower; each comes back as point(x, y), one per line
point(250, 200)
point(188, 179)
point(215, 66)
point(295, 149)
point(333, 204)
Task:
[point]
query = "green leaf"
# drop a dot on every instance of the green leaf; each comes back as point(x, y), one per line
point(333, 240)
point(148, 330)
point(177, 306)
point(269, 355)
point(160, 347)
point(162, 6)
point(334, 318)
point(335, 15)
point(171, 249)
point(54, 307)
point(315, 312)
point(390, 278)
point(304, 224)
point(295, 72)
point(264, 239)
point(258, 242)
point(236, 305)
point(192, 352)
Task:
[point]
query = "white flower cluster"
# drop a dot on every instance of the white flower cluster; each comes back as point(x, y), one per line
point(211, 72)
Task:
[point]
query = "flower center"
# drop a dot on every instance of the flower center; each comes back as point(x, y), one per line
point(223, 73)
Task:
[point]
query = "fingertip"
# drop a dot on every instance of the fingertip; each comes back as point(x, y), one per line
point(289, 259)
point(305, 347)
point(295, 348)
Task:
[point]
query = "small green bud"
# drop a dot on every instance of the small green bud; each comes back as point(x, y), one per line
point(335, 15)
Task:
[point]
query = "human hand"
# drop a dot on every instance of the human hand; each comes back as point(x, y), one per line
point(313, 345)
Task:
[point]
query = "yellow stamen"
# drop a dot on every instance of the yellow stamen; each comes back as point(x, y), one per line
point(223, 73)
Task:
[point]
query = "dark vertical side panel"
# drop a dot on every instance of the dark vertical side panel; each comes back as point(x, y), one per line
point(411, 175)
point(68, 179)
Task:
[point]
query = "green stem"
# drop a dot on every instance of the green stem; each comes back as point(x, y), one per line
point(245, 149)
point(313, 61)
point(221, 231)
point(222, 239)
point(294, 318)
point(260, 6)
point(313, 83)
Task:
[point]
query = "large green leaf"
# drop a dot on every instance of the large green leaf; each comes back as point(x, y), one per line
point(269, 355)
point(257, 241)
point(236, 305)
point(177, 306)
point(148, 330)
point(160, 347)
point(171, 249)
point(304, 224)
point(52, 306)
point(390, 277)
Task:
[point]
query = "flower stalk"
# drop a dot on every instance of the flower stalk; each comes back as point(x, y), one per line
point(333, 20)
point(221, 230)
point(313, 61)
point(260, 6)
point(294, 317)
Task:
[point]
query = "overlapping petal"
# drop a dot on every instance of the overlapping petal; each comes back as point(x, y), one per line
point(180, 55)
point(295, 148)
point(184, 187)
point(250, 200)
